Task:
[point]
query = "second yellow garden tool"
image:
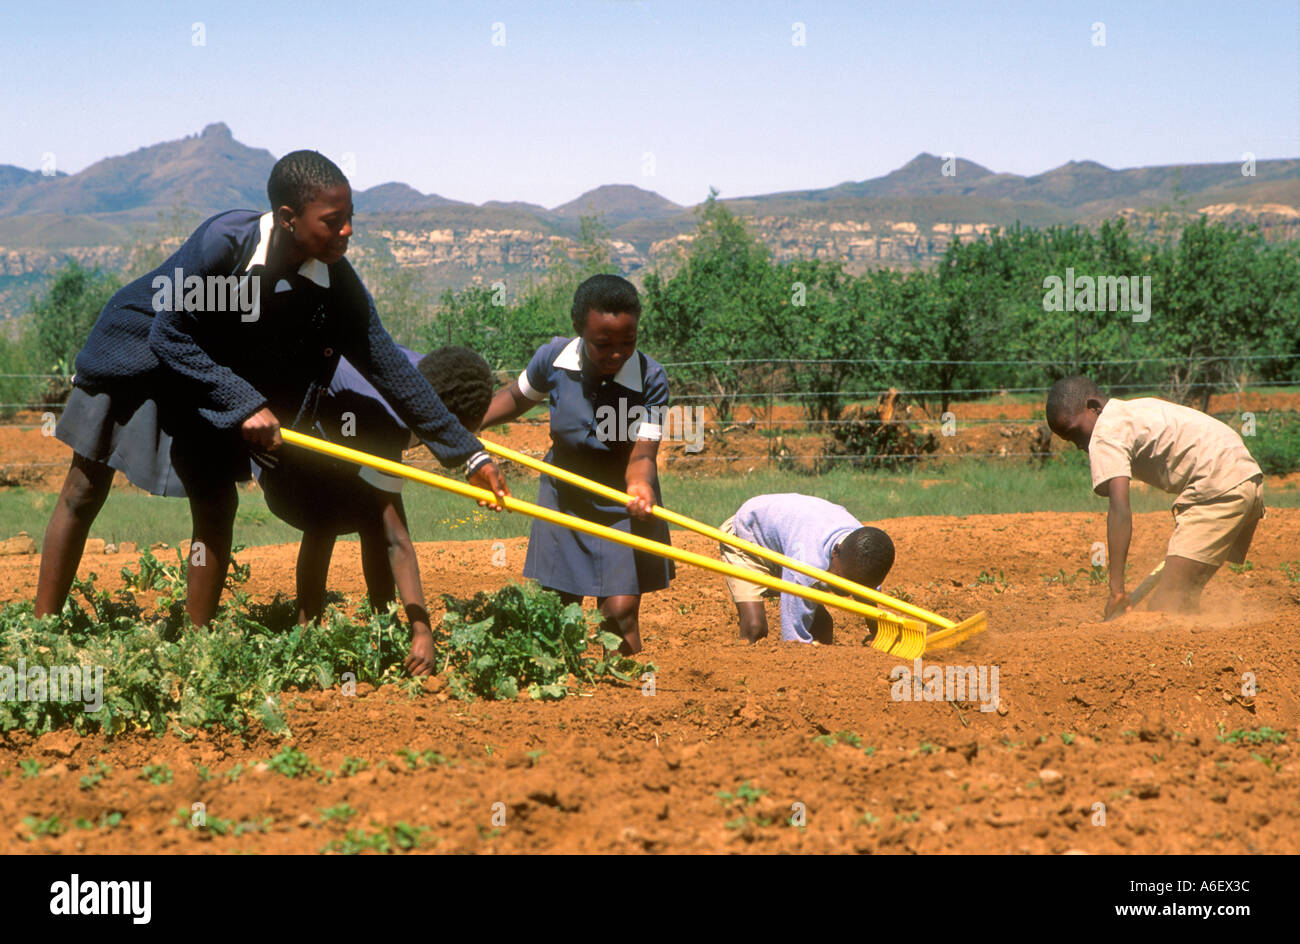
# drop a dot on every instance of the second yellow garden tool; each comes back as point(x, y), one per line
point(1140, 592)
point(896, 635)
point(947, 635)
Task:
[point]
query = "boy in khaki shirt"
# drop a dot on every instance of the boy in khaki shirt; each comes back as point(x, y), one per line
point(1178, 450)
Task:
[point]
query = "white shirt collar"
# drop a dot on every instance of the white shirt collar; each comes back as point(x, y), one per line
point(629, 375)
point(312, 269)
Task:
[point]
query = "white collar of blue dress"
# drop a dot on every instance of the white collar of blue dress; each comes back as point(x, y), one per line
point(312, 269)
point(629, 375)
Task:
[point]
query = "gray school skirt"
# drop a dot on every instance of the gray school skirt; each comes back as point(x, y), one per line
point(156, 448)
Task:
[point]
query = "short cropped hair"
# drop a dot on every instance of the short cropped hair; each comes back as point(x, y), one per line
point(867, 555)
point(299, 176)
point(611, 294)
point(1069, 396)
point(462, 380)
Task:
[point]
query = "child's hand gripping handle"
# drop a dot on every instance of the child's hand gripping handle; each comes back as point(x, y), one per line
point(262, 430)
point(483, 473)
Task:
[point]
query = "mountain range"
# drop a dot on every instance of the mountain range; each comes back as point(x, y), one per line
point(905, 218)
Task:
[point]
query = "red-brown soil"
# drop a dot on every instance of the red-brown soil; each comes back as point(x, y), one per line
point(1141, 701)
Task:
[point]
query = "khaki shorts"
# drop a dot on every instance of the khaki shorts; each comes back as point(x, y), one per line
point(743, 591)
point(1220, 529)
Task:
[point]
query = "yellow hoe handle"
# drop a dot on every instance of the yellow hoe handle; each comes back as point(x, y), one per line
point(894, 634)
point(672, 517)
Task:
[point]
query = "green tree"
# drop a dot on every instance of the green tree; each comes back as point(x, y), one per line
point(63, 316)
point(725, 303)
point(1213, 308)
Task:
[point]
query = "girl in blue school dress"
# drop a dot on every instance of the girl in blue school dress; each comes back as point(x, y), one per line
point(183, 377)
point(606, 400)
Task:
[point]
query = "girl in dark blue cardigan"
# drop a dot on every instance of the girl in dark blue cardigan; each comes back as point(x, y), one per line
point(192, 366)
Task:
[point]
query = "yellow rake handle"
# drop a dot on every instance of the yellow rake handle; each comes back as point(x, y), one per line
point(895, 634)
point(691, 524)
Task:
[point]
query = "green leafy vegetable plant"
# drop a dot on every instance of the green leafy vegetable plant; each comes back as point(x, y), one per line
point(524, 638)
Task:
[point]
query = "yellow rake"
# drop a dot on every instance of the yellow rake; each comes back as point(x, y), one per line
point(896, 635)
point(947, 635)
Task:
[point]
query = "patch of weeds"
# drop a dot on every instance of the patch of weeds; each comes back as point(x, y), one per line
point(839, 737)
point(911, 817)
point(157, 774)
point(1262, 735)
point(165, 678)
point(928, 748)
point(291, 763)
point(43, 827)
point(1292, 570)
point(1067, 738)
point(351, 766)
point(31, 768)
point(422, 759)
point(97, 771)
point(204, 774)
point(339, 813)
point(107, 820)
point(746, 794)
point(1242, 568)
point(398, 838)
point(220, 826)
point(217, 825)
point(524, 638)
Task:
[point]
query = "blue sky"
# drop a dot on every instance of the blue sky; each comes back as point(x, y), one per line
point(581, 92)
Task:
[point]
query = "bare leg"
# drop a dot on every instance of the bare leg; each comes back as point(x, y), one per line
point(1180, 586)
point(314, 555)
point(822, 629)
point(377, 563)
point(214, 526)
point(753, 620)
point(623, 616)
point(386, 545)
point(84, 490)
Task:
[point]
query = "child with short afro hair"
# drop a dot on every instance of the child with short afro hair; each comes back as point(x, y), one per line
point(1179, 450)
point(326, 497)
point(177, 387)
point(810, 530)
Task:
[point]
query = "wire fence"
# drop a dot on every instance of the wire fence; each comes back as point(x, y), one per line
point(777, 424)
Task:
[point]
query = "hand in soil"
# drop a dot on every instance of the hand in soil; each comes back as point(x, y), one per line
point(419, 661)
point(1116, 605)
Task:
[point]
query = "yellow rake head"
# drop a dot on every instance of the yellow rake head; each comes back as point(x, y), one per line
point(900, 637)
point(947, 638)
